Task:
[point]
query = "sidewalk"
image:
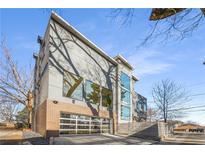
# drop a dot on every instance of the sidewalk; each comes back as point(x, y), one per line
point(184, 140)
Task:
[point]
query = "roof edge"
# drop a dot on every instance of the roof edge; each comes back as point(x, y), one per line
point(123, 60)
point(80, 36)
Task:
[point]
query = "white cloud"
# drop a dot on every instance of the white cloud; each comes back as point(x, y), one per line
point(148, 62)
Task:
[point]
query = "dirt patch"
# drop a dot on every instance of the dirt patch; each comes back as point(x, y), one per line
point(10, 134)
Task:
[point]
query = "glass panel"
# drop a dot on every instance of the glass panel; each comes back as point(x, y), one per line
point(105, 131)
point(139, 107)
point(83, 131)
point(67, 132)
point(65, 115)
point(125, 112)
point(106, 97)
point(92, 92)
point(125, 81)
point(72, 86)
point(125, 96)
point(105, 121)
point(83, 122)
point(83, 127)
point(67, 126)
point(67, 121)
point(95, 131)
point(105, 127)
point(81, 117)
point(145, 108)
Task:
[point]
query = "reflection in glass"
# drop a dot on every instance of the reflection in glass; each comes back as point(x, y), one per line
point(72, 86)
point(125, 112)
point(106, 97)
point(125, 96)
point(67, 126)
point(92, 92)
point(125, 81)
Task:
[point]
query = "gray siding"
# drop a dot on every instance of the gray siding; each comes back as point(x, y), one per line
point(68, 53)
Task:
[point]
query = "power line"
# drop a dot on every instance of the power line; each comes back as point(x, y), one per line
point(196, 84)
point(188, 108)
point(203, 110)
point(198, 94)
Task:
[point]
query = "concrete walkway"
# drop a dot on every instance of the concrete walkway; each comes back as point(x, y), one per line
point(184, 140)
point(99, 139)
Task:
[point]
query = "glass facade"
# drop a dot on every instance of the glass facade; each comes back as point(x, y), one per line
point(141, 104)
point(72, 86)
point(125, 96)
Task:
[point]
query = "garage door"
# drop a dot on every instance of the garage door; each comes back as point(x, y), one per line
point(80, 124)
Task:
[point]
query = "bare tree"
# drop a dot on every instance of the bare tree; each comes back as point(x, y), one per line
point(15, 83)
point(170, 99)
point(151, 114)
point(8, 110)
point(166, 24)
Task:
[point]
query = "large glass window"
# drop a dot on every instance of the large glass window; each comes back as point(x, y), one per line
point(125, 96)
point(92, 92)
point(141, 103)
point(125, 112)
point(145, 107)
point(125, 81)
point(106, 97)
point(72, 86)
point(139, 107)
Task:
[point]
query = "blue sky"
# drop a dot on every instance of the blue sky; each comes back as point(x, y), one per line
point(180, 61)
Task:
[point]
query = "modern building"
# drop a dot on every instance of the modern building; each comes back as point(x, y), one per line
point(79, 89)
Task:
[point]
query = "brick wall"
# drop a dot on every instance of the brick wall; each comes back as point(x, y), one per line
point(41, 119)
point(48, 116)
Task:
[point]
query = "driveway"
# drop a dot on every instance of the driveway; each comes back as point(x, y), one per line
point(99, 139)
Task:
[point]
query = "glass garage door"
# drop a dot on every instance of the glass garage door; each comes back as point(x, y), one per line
point(79, 124)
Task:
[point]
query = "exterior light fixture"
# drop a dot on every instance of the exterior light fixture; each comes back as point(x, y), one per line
point(55, 102)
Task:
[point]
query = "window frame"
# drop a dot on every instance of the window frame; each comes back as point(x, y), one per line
point(123, 103)
point(81, 89)
point(125, 117)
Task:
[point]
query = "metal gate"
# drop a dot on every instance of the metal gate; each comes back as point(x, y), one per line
point(80, 124)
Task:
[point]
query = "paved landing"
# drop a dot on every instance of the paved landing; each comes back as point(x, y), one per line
point(100, 139)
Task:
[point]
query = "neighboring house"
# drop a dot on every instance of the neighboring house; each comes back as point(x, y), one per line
point(189, 128)
point(78, 87)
